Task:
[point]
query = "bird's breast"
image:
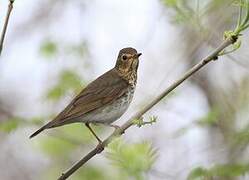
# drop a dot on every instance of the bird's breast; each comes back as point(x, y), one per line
point(112, 111)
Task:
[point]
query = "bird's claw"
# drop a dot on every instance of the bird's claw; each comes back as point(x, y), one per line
point(115, 126)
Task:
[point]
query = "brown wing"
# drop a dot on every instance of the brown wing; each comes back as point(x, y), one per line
point(103, 90)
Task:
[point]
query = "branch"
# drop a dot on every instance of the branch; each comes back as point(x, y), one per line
point(10, 7)
point(118, 132)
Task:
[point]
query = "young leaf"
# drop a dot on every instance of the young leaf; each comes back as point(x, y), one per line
point(133, 159)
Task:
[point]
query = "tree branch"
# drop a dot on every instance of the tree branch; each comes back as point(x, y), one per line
point(10, 7)
point(118, 132)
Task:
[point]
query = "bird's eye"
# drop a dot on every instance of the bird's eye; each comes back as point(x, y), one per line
point(124, 57)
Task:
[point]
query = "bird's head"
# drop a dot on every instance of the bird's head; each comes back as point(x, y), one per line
point(127, 61)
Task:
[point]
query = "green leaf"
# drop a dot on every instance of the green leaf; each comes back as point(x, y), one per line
point(242, 137)
point(230, 170)
point(133, 159)
point(170, 3)
point(210, 119)
point(48, 48)
point(54, 146)
point(68, 81)
point(140, 122)
point(56, 93)
point(153, 119)
point(219, 171)
point(10, 125)
point(198, 174)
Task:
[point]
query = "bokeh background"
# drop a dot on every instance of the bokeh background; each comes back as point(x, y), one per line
point(53, 48)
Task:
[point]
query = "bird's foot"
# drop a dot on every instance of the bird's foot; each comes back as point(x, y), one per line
point(117, 128)
point(100, 147)
point(114, 126)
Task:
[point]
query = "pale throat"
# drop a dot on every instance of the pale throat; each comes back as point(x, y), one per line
point(128, 75)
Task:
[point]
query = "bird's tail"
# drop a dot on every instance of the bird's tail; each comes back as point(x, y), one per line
point(38, 131)
point(51, 124)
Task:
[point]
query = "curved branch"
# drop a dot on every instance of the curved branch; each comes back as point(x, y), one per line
point(118, 132)
point(10, 7)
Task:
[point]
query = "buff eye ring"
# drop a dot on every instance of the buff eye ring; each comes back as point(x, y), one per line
point(124, 57)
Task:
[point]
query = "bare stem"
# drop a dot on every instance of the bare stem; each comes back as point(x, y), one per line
point(10, 7)
point(118, 132)
point(240, 14)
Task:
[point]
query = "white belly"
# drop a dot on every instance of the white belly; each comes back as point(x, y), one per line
point(109, 114)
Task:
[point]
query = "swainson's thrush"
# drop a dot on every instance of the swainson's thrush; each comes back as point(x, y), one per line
point(105, 99)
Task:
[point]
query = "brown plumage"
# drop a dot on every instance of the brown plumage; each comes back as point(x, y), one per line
point(105, 99)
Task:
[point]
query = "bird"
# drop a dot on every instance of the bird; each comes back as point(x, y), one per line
point(105, 99)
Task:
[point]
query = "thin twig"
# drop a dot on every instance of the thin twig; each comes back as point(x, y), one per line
point(118, 132)
point(10, 7)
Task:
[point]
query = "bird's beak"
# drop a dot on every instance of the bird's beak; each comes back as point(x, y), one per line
point(137, 55)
